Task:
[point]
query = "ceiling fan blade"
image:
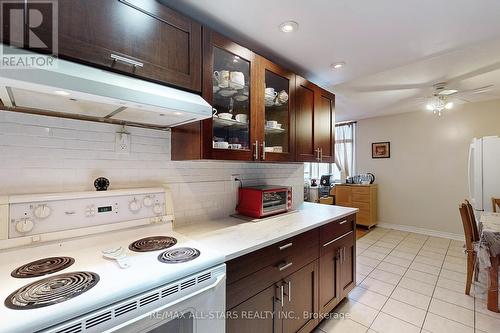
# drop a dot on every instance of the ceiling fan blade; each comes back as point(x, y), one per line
point(477, 72)
point(463, 99)
point(389, 87)
point(479, 90)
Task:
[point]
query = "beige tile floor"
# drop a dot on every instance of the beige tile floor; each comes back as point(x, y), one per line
point(409, 282)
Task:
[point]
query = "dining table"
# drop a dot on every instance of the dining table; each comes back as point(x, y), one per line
point(489, 254)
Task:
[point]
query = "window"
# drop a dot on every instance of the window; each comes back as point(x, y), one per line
point(345, 136)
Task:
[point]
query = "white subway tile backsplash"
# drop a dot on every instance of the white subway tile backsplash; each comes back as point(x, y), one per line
point(41, 154)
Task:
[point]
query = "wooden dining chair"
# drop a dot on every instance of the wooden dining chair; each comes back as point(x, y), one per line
point(469, 244)
point(496, 203)
point(475, 233)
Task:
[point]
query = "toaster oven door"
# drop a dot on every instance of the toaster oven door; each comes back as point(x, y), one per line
point(274, 202)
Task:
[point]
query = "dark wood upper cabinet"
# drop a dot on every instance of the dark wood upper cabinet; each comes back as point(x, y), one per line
point(306, 149)
point(324, 125)
point(276, 106)
point(254, 108)
point(142, 38)
point(230, 85)
point(315, 123)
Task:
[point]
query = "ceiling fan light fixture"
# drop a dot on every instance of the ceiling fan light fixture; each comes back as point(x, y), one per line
point(448, 106)
point(429, 107)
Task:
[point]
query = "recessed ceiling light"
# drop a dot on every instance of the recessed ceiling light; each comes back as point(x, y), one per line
point(61, 92)
point(289, 26)
point(338, 65)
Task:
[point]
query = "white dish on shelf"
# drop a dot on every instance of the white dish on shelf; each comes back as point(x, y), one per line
point(226, 115)
point(241, 98)
point(227, 92)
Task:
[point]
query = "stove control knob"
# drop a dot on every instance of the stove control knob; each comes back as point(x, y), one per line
point(157, 209)
point(134, 206)
point(42, 212)
point(148, 201)
point(24, 225)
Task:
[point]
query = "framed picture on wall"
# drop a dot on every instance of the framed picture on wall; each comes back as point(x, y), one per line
point(381, 150)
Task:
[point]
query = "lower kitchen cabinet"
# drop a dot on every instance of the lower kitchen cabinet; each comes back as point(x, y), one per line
point(337, 262)
point(347, 270)
point(257, 314)
point(284, 287)
point(300, 295)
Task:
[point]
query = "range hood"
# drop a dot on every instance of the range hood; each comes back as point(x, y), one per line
point(77, 91)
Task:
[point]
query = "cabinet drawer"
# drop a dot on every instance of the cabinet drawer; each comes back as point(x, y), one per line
point(360, 189)
point(364, 207)
point(250, 285)
point(272, 255)
point(334, 230)
point(360, 197)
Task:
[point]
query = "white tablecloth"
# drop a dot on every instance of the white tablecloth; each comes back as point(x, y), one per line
point(489, 227)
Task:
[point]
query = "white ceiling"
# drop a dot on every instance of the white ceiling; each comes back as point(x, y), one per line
point(385, 43)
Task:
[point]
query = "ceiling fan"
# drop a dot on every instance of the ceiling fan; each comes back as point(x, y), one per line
point(443, 96)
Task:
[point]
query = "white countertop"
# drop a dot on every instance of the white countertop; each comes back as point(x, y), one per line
point(235, 237)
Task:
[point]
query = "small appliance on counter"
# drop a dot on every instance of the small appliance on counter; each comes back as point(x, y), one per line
point(264, 200)
point(325, 186)
point(363, 178)
point(314, 191)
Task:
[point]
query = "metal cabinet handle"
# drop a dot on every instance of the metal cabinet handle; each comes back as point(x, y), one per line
point(343, 222)
point(317, 155)
point(336, 239)
point(119, 58)
point(256, 152)
point(263, 150)
point(286, 246)
point(282, 296)
point(284, 266)
point(321, 154)
point(289, 291)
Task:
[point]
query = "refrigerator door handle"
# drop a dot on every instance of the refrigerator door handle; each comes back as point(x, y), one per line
point(469, 172)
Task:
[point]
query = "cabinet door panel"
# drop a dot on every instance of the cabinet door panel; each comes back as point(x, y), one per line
point(278, 105)
point(304, 106)
point(229, 84)
point(264, 304)
point(301, 295)
point(167, 44)
point(329, 293)
point(343, 196)
point(347, 280)
point(324, 125)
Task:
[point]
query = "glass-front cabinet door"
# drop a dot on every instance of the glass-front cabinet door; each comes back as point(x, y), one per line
point(278, 125)
point(228, 86)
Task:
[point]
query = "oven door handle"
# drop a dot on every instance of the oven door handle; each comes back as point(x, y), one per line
point(221, 280)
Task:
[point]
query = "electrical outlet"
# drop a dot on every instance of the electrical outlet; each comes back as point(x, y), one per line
point(235, 183)
point(122, 143)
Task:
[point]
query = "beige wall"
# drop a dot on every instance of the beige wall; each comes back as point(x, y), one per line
point(423, 182)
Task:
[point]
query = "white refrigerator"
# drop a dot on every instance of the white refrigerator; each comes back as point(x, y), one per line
point(484, 172)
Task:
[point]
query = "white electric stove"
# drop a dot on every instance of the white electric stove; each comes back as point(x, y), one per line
point(105, 262)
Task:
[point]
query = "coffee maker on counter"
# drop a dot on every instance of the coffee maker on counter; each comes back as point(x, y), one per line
point(325, 185)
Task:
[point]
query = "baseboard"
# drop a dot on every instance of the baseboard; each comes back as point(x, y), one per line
point(424, 231)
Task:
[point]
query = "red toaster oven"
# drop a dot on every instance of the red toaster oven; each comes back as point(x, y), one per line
point(261, 201)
